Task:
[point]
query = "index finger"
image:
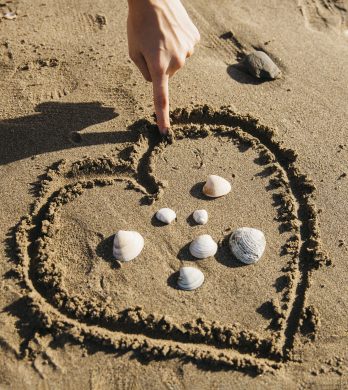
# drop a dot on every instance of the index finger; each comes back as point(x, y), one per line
point(161, 100)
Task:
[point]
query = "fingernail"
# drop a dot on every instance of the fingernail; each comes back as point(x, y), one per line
point(168, 137)
point(164, 131)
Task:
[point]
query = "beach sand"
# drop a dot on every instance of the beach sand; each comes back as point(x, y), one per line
point(80, 158)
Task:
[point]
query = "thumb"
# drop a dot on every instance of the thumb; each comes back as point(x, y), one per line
point(161, 100)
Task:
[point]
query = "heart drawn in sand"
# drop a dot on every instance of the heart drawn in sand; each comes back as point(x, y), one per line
point(76, 288)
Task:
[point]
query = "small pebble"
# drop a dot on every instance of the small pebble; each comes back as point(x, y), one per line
point(260, 65)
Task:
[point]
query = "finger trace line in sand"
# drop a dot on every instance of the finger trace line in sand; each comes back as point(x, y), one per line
point(324, 14)
point(46, 79)
point(226, 46)
point(156, 335)
point(80, 22)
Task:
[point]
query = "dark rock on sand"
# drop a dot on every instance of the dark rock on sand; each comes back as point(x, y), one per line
point(260, 65)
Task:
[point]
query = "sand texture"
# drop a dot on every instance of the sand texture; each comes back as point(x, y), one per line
point(80, 158)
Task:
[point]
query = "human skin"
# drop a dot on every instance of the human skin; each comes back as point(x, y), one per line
point(161, 36)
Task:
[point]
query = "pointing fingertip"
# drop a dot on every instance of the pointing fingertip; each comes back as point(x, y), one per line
point(164, 130)
point(168, 137)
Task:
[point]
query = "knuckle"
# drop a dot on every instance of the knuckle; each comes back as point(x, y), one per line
point(179, 61)
point(156, 63)
point(158, 67)
point(176, 63)
point(190, 51)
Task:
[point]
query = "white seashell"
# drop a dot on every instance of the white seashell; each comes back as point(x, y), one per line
point(200, 216)
point(247, 244)
point(190, 278)
point(166, 215)
point(127, 245)
point(10, 15)
point(216, 186)
point(203, 246)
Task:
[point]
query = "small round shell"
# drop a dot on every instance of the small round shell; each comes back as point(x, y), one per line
point(203, 246)
point(216, 186)
point(190, 278)
point(247, 244)
point(127, 245)
point(200, 216)
point(166, 215)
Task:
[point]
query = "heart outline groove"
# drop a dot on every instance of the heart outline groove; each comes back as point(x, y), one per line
point(155, 335)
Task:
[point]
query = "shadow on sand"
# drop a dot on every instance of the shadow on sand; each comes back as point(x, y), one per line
point(56, 126)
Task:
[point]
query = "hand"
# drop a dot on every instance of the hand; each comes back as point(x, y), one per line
point(161, 36)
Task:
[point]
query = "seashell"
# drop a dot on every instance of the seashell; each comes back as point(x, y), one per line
point(166, 215)
point(10, 15)
point(190, 278)
point(203, 246)
point(260, 65)
point(127, 245)
point(216, 186)
point(247, 244)
point(200, 216)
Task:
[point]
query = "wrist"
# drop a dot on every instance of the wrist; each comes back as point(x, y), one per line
point(140, 9)
point(135, 3)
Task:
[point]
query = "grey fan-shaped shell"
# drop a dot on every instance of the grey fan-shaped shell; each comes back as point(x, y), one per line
point(247, 244)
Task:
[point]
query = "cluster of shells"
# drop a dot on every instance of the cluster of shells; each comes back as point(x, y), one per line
point(246, 244)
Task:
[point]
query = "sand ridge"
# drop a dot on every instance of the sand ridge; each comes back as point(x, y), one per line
point(155, 334)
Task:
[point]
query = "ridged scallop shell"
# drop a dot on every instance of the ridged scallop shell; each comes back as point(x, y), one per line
point(247, 244)
point(216, 186)
point(166, 215)
point(127, 245)
point(200, 216)
point(203, 246)
point(190, 278)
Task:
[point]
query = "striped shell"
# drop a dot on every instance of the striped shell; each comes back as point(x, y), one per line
point(247, 244)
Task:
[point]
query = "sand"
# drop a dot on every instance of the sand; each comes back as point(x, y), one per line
point(80, 158)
